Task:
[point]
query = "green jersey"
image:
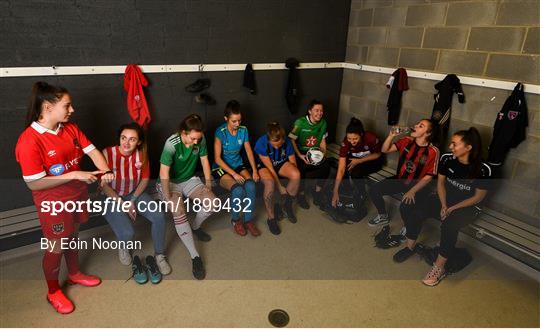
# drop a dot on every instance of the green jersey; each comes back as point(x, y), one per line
point(307, 134)
point(182, 159)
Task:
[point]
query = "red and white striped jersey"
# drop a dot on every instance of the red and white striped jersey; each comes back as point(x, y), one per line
point(128, 170)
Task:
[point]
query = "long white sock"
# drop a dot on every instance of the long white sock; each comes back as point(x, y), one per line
point(183, 229)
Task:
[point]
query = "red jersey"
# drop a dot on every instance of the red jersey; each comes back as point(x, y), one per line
point(128, 170)
point(42, 152)
point(369, 144)
point(416, 161)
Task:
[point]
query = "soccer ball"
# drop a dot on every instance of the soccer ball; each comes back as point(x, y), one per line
point(314, 156)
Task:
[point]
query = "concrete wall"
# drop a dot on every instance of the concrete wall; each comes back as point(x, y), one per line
point(493, 39)
point(45, 33)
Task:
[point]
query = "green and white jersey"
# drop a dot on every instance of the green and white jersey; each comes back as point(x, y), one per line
point(182, 159)
point(307, 134)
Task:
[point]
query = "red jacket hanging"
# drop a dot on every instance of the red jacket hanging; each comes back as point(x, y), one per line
point(134, 81)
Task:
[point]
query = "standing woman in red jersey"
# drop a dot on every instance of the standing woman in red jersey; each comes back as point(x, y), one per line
point(49, 152)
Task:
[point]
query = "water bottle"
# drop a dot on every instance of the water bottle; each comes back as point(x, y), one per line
point(401, 130)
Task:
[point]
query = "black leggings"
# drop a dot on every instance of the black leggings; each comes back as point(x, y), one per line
point(390, 186)
point(319, 172)
point(414, 215)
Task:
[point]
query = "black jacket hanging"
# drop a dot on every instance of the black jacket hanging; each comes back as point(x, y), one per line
point(443, 102)
point(292, 92)
point(510, 126)
point(397, 83)
point(249, 79)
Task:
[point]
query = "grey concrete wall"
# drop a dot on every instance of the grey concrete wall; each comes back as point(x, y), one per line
point(493, 39)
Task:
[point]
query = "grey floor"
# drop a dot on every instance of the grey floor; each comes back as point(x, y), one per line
point(322, 273)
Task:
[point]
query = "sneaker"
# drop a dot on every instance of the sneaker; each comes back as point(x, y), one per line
point(273, 226)
point(302, 202)
point(125, 256)
point(153, 271)
point(287, 205)
point(202, 235)
point(434, 276)
point(379, 220)
point(253, 230)
point(206, 99)
point(198, 86)
point(239, 228)
point(162, 264)
point(84, 279)
point(404, 254)
point(139, 272)
point(60, 302)
point(198, 268)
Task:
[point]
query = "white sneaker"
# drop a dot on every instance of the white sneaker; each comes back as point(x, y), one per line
point(402, 234)
point(125, 256)
point(379, 220)
point(162, 264)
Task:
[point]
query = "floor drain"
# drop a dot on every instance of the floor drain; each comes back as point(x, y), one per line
point(278, 318)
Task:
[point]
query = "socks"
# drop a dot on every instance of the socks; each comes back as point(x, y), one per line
point(183, 229)
point(72, 260)
point(51, 268)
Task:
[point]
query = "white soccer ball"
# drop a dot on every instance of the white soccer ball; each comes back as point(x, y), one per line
point(314, 156)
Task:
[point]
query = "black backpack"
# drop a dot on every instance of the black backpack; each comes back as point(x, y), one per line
point(352, 203)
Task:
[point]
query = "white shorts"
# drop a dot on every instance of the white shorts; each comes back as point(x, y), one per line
point(185, 188)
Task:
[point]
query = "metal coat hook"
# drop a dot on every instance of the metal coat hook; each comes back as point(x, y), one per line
point(201, 67)
point(54, 69)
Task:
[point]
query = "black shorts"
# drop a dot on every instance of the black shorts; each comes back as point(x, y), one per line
point(276, 168)
point(219, 172)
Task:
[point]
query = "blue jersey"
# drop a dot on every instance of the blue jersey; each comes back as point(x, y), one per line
point(231, 146)
point(277, 156)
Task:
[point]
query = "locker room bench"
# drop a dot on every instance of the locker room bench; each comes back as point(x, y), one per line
point(515, 238)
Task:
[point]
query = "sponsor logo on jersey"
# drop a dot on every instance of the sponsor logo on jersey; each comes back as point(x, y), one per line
point(51, 153)
point(239, 142)
point(306, 130)
point(311, 141)
point(57, 169)
point(458, 185)
point(58, 228)
point(360, 154)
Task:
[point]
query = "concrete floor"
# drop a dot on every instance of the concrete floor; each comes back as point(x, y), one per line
point(322, 273)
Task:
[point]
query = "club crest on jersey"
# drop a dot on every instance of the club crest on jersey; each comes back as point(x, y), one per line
point(422, 159)
point(57, 169)
point(512, 115)
point(58, 228)
point(410, 167)
point(76, 143)
point(138, 165)
point(195, 149)
point(51, 153)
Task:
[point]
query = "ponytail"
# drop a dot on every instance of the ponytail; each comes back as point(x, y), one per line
point(191, 122)
point(42, 92)
point(471, 137)
point(355, 126)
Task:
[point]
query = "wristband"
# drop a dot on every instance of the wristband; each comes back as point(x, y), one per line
point(133, 198)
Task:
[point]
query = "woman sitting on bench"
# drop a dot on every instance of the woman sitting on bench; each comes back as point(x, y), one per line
point(417, 165)
point(276, 159)
point(359, 156)
point(462, 184)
